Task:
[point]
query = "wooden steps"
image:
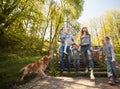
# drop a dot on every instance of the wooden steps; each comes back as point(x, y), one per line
point(99, 70)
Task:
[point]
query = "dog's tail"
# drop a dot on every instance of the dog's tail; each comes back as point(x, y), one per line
point(21, 70)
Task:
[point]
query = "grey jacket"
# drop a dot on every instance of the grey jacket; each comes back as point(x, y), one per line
point(75, 53)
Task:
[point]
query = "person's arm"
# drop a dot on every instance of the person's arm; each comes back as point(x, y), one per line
point(90, 40)
point(72, 38)
point(71, 48)
point(112, 53)
point(79, 48)
point(99, 49)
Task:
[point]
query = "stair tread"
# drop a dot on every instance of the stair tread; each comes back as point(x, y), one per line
point(85, 72)
point(88, 68)
point(82, 69)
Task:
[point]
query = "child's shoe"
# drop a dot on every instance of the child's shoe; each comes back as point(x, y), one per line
point(111, 81)
point(65, 52)
point(116, 80)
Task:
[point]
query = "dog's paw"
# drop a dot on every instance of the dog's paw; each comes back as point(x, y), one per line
point(45, 76)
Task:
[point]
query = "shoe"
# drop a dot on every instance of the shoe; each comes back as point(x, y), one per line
point(58, 52)
point(86, 70)
point(116, 80)
point(65, 52)
point(111, 81)
point(92, 77)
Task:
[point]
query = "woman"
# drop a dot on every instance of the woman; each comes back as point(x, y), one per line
point(86, 50)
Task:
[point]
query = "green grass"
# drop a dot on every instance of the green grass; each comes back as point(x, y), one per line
point(9, 71)
point(118, 58)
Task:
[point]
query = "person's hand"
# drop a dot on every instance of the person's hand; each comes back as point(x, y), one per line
point(63, 41)
point(113, 60)
point(91, 48)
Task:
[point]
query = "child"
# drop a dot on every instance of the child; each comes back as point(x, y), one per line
point(69, 40)
point(109, 60)
point(76, 56)
point(66, 37)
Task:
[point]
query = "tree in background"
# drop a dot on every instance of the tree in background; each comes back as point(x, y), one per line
point(29, 27)
point(106, 25)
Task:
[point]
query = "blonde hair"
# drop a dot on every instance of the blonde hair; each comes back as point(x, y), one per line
point(109, 40)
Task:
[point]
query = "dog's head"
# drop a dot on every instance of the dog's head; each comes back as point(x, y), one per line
point(47, 58)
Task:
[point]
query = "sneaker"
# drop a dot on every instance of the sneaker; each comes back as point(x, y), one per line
point(116, 80)
point(65, 52)
point(111, 81)
point(92, 77)
point(86, 70)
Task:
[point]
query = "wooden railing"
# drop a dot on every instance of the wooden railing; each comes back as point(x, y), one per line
point(98, 55)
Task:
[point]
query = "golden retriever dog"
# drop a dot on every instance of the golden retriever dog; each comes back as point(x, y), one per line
point(38, 67)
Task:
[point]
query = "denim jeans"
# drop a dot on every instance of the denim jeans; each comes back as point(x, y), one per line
point(67, 57)
point(77, 64)
point(86, 52)
point(111, 68)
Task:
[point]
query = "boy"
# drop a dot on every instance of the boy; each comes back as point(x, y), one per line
point(76, 56)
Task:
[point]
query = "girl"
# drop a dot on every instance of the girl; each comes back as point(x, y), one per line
point(66, 36)
point(85, 49)
point(109, 60)
point(69, 40)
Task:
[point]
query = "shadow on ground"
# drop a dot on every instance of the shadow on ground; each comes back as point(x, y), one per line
point(68, 83)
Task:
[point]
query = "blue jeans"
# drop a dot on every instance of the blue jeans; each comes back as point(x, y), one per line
point(77, 64)
point(86, 52)
point(111, 68)
point(67, 58)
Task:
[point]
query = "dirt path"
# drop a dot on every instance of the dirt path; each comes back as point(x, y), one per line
point(68, 83)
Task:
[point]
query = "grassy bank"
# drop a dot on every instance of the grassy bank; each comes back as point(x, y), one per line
point(9, 70)
point(118, 57)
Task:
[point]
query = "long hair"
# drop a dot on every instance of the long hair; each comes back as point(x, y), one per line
point(82, 32)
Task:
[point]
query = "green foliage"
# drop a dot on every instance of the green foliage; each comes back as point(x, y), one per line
point(25, 25)
point(118, 58)
point(54, 72)
point(106, 25)
point(9, 71)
